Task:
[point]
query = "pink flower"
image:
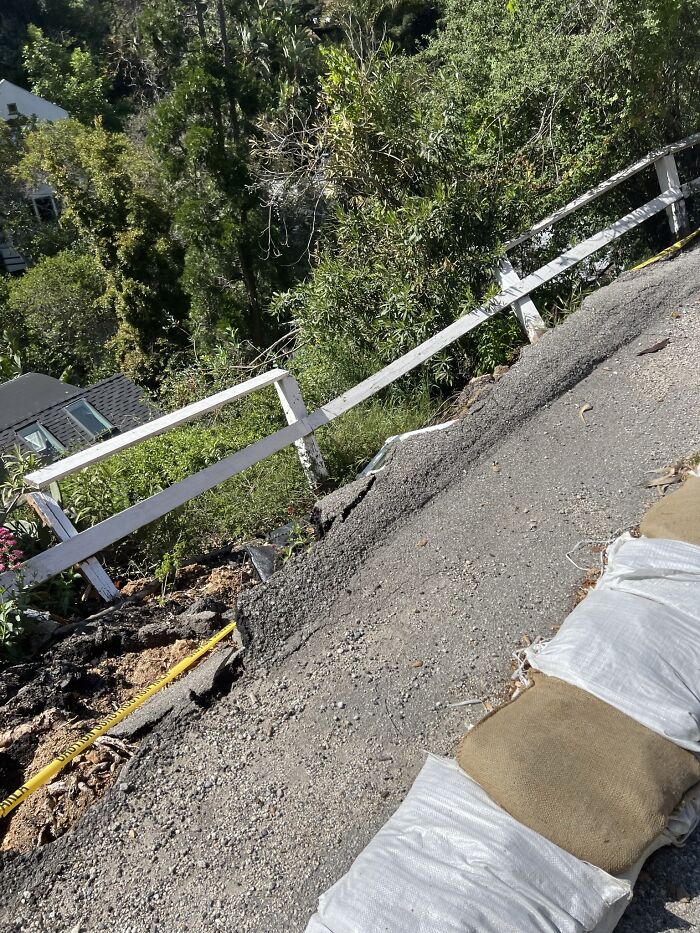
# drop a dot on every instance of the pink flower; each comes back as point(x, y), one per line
point(11, 556)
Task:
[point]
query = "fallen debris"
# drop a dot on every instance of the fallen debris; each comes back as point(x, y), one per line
point(655, 347)
point(88, 668)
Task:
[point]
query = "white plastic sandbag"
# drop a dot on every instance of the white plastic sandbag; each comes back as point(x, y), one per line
point(634, 641)
point(451, 861)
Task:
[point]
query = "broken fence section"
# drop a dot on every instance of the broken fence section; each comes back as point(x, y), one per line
point(80, 548)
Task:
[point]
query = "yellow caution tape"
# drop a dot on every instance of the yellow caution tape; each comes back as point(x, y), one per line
point(669, 251)
point(57, 765)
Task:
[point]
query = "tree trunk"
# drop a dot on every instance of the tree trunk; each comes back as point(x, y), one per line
point(233, 103)
point(254, 316)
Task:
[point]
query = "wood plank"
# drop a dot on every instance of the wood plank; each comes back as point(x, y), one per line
point(112, 529)
point(107, 532)
point(61, 468)
point(594, 193)
point(52, 515)
point(407, 362)
point(598, 241)
point(294, 409)
point(667, 174)
point(524, 308)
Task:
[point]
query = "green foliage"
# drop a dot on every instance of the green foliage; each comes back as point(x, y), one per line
point(301, 538)
point(10, 359)
point(58, 312)
point(495, 342)
point(67, 75)
point(86, 19)
point(13, 622)
point(432, 161)
point(113, 202)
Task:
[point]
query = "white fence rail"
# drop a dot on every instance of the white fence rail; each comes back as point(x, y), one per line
point(80, 548)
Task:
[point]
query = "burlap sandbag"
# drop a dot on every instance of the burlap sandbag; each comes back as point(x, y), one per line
point(677, 515)
point(579, 772)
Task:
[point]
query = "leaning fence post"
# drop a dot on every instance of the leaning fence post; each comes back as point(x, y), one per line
point(52, 515)
point(295, 410)
point(524, 308)
point(667, 173)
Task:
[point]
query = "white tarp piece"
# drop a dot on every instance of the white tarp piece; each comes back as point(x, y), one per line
point(634, 641)
point(451, 861)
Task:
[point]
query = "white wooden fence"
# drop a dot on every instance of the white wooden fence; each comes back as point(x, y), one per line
point(80, 548)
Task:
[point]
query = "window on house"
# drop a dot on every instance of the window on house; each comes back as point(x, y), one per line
point(45, 208)
point(89, 419)
point(12, 110)
point(41, 440)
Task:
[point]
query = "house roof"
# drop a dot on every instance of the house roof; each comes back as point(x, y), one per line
point(35, 397)
point(27, 104)
point(32, 392)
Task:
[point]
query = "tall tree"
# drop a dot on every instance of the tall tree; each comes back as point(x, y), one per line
point(225, 64)
point(114, 204)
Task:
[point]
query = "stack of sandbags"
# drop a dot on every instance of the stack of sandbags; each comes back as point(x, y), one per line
point(634, 642)
point(564, 792)
point(579, 772)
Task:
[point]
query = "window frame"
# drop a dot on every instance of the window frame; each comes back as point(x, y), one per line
point(53, 446)
point(108, 429)
point(51, 201)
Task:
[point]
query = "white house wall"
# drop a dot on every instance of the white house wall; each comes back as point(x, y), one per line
point(28, 104)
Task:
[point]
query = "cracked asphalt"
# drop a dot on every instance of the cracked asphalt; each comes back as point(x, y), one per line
point(237, 816)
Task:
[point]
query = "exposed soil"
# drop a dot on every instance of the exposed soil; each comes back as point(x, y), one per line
point(87, 670)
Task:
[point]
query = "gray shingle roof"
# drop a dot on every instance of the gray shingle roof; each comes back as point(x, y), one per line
point(35, 397)
point(31, 393)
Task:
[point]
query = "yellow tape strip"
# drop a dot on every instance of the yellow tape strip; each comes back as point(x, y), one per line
point(669, 251)
point(54, 767)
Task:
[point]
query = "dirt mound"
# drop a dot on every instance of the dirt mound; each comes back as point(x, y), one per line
point(86, 672)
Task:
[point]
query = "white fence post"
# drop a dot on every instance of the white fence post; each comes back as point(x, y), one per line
point(51, 514)
point(525, 308)
point(295, 410)
point(667, 173)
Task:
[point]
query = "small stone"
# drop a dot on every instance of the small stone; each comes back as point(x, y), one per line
point(340, 704)
point(417, 663)
point(269, 728)
point(421, 542)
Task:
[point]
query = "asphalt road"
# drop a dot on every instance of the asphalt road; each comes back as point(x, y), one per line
point(236, 817)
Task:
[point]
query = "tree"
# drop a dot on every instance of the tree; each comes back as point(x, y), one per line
point(87, 20)
point(58, 313)
point(225, 64)
point(430, 162)
point(67, 75)
point(113, 201)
